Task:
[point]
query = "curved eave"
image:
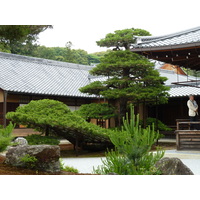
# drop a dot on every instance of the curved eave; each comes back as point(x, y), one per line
point(166, 47)
point(50, 94)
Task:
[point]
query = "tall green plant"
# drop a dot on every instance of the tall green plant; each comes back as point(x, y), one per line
point(132, 149)
point(6, 136)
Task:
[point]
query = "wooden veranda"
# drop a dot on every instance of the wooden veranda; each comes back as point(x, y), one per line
point(180, 49)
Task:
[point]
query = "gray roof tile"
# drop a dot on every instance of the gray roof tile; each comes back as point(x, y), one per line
point(41, 76)
point(183, 37)
point(47, 77)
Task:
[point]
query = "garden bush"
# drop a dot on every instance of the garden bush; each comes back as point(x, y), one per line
point(96, 111)
point(157, 124)
point(6, 136)
point(39, 140)
point(132, 155)
point(56, 118)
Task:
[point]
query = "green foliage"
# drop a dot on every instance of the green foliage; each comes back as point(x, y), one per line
point(122, 38)
point(94, 58)
point(64, 54)
point(157, 124)
point(130, 77)
point(59, 120)
point(29, 161)
point(67, 168)
point(96, 111)
point(20, 38)
point(132, 146)
point(38, 140)
point(95, 87)
point(6, 136)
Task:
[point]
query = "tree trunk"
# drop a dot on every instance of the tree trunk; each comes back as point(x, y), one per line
point(144, 115)
point(122, 110)
point(47, 131)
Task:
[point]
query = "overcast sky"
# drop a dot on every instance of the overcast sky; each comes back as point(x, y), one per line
point(83, 22)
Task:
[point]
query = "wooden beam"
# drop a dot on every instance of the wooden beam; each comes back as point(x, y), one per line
point(5, 94)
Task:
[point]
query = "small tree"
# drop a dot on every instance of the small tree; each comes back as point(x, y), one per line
point(130, 77)
point(131, 155)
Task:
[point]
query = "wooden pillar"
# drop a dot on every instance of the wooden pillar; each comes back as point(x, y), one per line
point(76, 146)
point(5, 94)
point(177, 140)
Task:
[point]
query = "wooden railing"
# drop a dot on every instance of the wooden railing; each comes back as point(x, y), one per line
point(186, 138)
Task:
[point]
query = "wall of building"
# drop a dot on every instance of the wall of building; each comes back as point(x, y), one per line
point(176, 108)
point(15, 100)
point(1, 95)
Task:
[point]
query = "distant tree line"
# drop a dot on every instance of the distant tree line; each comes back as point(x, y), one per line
point(22, 40)
point(65, 54)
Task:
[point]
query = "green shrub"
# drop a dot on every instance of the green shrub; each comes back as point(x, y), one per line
point(38, 140)
point(6, 136)
point(157, 124)
point(59, 120)
point(132, 155)
point(29, 161)
point(96, 111)
point(67, 168)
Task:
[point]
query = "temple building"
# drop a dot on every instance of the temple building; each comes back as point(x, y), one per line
point(23, 78)
point(180, 49)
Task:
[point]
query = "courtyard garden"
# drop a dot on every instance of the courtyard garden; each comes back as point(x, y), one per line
point(129, 150)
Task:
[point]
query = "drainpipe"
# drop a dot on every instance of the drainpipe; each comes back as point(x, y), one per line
point(5, 94)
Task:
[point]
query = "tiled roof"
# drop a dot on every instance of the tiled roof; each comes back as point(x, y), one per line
point(175, 90)
point(183, 91)
point(47, 77)
point(174, 77)
point(40, 76)
point(180, 38)
point(178, 90)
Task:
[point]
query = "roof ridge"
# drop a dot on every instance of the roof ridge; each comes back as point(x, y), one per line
point(156, 38)
point(44, 61)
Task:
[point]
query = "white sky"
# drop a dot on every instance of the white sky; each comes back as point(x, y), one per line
point(83, 22)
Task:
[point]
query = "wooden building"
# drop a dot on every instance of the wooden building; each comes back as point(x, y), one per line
point(180, 49)
point(23, 79)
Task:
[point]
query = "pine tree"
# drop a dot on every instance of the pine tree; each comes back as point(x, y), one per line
point(130, 77)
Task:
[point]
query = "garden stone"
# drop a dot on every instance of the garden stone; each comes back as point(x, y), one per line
point(2, 158)
point(173, 166)
point(47, 157)
point(21, 141)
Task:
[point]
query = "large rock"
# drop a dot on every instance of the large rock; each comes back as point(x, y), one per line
point(47, 157)
point(2, 158)
point(173, 166)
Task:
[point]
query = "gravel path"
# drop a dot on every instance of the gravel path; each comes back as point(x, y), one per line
point(85, 165)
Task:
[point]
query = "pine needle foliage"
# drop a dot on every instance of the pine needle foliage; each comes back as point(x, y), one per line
point(132, 155)
point(59, 120)
point(6, 136)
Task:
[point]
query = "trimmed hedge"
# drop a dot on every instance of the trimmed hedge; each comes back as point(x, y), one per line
point(59, 120)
